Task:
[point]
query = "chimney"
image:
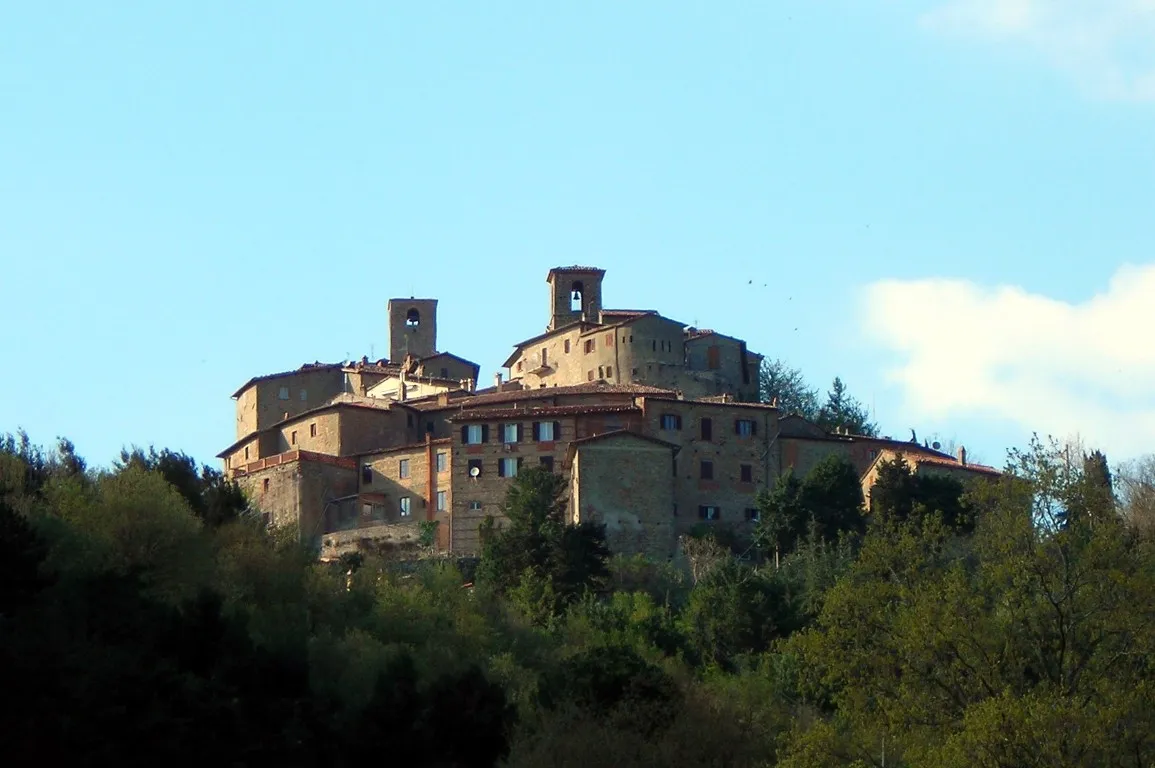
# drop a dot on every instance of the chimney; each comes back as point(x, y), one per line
point(497, 381)
point(962, 455)
point(469, 385)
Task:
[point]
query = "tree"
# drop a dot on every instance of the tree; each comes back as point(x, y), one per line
point(899, 493)
point(781, 518)
point(538, 545)
point(213, 498)
point(778, 382)
point(843, 412)
point(831, 496)
point(731, 612)
point(1136, 481)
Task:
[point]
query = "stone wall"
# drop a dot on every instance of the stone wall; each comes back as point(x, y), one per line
point(624, 483)
point(260, 406)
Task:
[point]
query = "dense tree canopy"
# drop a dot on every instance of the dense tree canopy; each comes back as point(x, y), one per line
point(146, 617)
point(779, 383)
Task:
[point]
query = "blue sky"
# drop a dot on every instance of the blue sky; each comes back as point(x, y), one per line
point(934, 200)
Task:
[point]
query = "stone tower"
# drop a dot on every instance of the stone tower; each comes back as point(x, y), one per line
point(412, 328)
point(574, 292)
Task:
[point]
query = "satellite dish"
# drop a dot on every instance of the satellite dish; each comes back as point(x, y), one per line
point(474, 471)
point(936, 445)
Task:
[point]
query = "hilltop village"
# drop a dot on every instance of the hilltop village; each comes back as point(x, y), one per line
point(656, 424)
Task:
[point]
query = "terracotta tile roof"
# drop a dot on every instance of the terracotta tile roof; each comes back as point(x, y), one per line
point(471, 400)
point(623, 433)
point(709, 401)
point(955, 464)
point(628, 312)
point(541, 410)
point(306, 368)
point(572, 269)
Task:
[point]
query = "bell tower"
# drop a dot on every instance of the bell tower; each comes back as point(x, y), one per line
point(412, 328)
point(575, 293)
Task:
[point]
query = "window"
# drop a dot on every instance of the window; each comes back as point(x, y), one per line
point(312, 430)
point(429, 427)
point(473, 434)
point(567, 346)
point(366, 510)
point(246, 453)
point(709, 512)
point(745, 427)
point(511, 433)
point(654, 346)
point(508, 467)
point(634, 372)
point(545, 431)
point(631, 338)
point(713, 357)
point(442, 461)
point(475, 506)
point(746, 473)
point(707, 470)
point(441, 499)
point(475, 464)
point(544, 357)
point(520, 364)
point(409, 419)
point(403, 468)
point(707, 429)
point(601, 372)
point(671, 421)
point(293, 437)
point(304, 395)
point(589, 346)
point(753, 515)
point(405, 506)
point(445, 373)
point(609, 371)
point(547, 462)
point(366, 474)
point(265, 485)
point(590, 375)
point(283, 393)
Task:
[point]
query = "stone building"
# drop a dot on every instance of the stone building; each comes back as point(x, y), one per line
point(654, 423)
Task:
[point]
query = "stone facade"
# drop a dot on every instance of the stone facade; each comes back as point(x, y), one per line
point(653, 423)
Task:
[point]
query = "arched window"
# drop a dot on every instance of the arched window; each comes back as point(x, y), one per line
point(413, 318)
point(577, 296)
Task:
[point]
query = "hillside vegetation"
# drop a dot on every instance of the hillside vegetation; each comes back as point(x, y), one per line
point(147, 618)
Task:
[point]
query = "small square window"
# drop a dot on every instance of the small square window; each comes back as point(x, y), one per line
point(293, 437)
point(475, 506)
point(403, 468)
point(304, 395)
point(545, 432)
point(509, 433)
point(709, 512)
point(507, 467)
point(265, 485)
point(283, 393)
point(589, 375)
point(405, 506)
point(474, 434)
point(589, 346)
point(441, 500)
point(366, 474)
point(442, 461)
point(745, 428)
point(746, 472)
point(707, 470)
point(609, 371)
point(753, 515)
point(671, 421)
point(547, 462)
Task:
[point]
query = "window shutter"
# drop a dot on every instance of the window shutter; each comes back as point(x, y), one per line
point(557, 430)
point(753, 427)
point(501, 467)
point(465, 434)
point(485, 433)
point(702, 512)
point(536, 431)
point(520, 432)
point(519, 460)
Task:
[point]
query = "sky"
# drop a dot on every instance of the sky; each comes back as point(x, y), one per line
point(950, 204)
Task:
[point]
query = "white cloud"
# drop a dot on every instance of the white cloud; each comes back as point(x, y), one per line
point(1108, 46)
point(1048, 366)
